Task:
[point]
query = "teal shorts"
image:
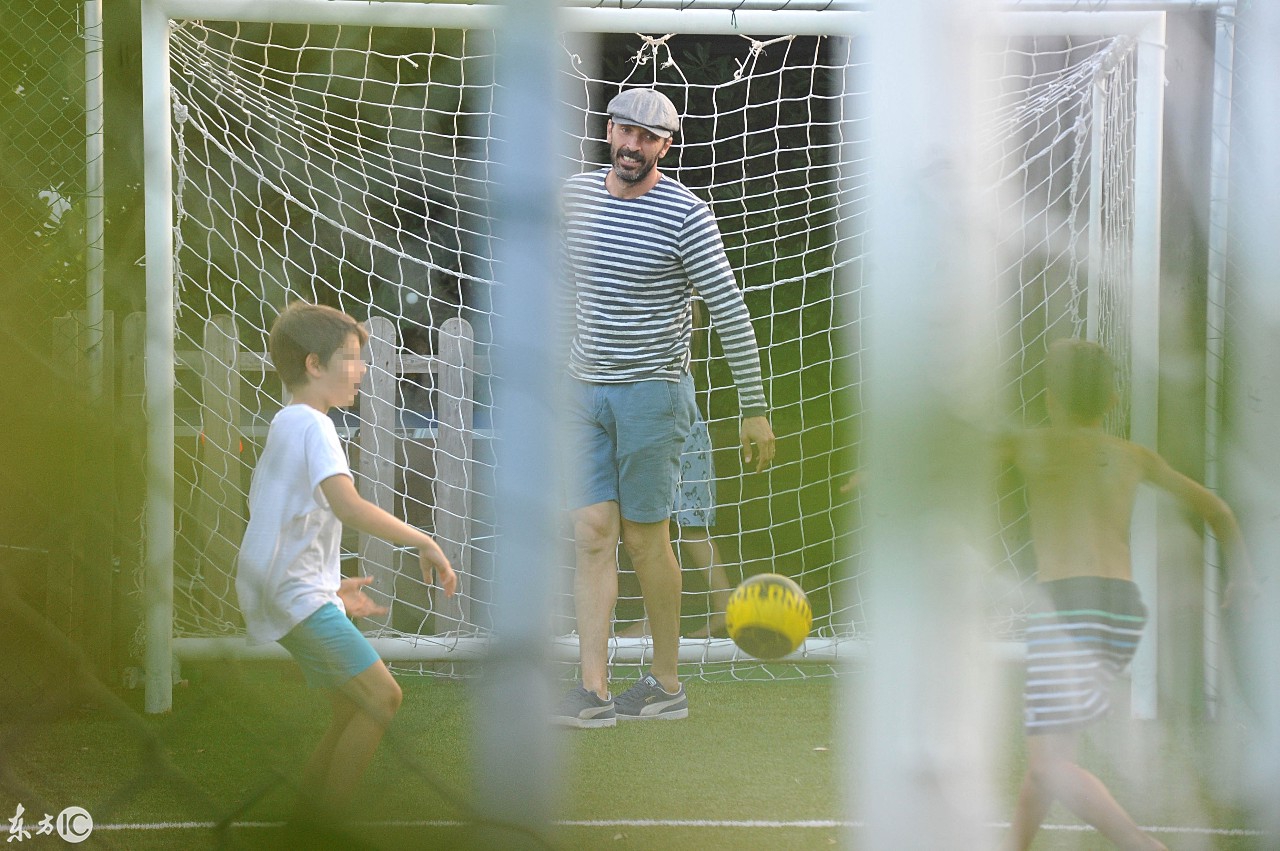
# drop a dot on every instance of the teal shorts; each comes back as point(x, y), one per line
point(625, 442)
point(329, 648)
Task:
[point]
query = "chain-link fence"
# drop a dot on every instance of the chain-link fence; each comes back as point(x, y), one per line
point(55, 549)
point(42, 74)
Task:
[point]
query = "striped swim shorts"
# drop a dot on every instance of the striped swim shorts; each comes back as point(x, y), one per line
point(1082, 633)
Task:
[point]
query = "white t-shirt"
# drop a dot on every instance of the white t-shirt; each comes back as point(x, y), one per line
point(288, 565)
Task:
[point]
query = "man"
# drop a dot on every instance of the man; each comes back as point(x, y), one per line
point(638, 245)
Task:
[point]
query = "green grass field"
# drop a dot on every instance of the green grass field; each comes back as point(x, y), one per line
point(758, 765)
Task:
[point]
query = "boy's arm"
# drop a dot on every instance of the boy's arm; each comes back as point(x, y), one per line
point(358, 513)
point(1215, 512)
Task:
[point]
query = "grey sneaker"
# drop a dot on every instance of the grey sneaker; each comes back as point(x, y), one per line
point(647, 700)
point(583, 709)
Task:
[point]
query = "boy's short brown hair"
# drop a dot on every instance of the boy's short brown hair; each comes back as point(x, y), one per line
point(1081, 376)
point(303, 329)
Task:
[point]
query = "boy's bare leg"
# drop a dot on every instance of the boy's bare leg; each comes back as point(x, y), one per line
point(1034, 801)
point(375, 696)
point(362, 710)
point(649, 546)
point(1053, 774)
point(595, 589)
point(316, 771)
point(704, 556)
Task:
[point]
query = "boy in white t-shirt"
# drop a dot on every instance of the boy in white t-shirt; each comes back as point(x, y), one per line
point(288, 577)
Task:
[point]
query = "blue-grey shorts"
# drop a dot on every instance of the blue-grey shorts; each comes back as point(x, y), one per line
point(696, 496)
point(625, 442)
point(329, 648)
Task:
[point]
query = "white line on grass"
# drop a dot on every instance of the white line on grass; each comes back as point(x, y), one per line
point(748, 824)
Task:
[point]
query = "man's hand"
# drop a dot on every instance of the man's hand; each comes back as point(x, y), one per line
point(757, 441)
point(431, 559)
point(355, 601)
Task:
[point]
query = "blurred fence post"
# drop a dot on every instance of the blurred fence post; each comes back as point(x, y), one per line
point(377, 442)
point(1254, 385)
point(454, 412)
point(515, 773)
point(924, 773)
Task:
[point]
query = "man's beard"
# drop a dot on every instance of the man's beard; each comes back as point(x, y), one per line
point(631, 171)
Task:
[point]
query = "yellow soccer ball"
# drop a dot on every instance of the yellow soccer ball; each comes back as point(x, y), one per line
point(768, 616)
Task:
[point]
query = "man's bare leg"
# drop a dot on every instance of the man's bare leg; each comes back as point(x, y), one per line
point(595, 589)
point(649, 545)
point(698, 551)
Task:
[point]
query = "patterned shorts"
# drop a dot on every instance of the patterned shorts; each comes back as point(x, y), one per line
point(696, 492)
point(1081, 635)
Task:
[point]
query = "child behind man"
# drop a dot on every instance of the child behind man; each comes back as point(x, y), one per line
point(288, 576)
point(1081, 484)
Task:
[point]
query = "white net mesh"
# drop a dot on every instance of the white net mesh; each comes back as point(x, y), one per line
point(349, 165)
point(1064, 131)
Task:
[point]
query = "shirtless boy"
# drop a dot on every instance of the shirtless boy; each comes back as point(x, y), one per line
point(1081, 483)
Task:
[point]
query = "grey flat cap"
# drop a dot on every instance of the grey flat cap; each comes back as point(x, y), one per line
point(647, 108)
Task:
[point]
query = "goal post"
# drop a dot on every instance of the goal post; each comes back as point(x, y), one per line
point(307, 148)
point(158, 515)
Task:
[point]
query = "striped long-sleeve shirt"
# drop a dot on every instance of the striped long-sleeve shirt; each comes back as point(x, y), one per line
point(634, 265)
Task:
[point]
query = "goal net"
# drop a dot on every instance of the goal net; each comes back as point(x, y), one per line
point(348, 163)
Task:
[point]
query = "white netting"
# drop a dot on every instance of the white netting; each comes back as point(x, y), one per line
point(1064, 132)
point(349, 165)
